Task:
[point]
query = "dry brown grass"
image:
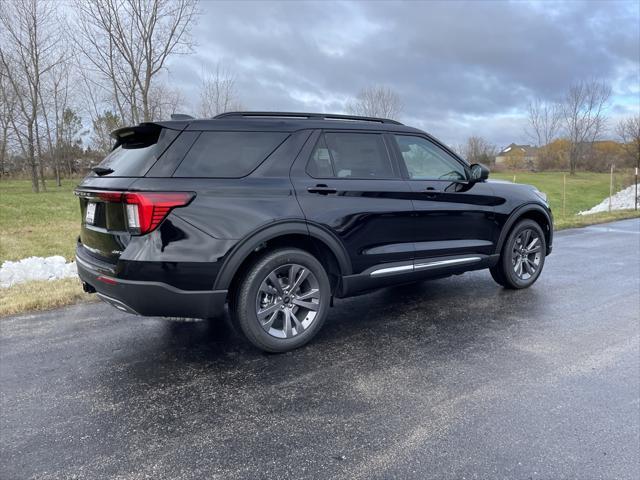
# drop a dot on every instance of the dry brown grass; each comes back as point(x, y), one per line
point(41, 295)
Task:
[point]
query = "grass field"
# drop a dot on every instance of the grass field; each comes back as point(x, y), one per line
point(38, 224)
point(47, 224)
point(584, 189)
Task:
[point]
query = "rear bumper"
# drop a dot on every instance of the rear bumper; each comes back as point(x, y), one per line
point(150, 298)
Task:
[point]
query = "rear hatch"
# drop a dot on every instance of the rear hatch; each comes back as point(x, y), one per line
point(111, 210)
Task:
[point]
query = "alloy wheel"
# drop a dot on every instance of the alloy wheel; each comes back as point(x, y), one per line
point(526, 254)
point(288, 300)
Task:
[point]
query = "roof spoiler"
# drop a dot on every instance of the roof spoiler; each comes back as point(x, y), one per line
point(136, 136)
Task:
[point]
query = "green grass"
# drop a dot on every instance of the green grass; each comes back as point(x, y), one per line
point(38, 224)
point(583, 191)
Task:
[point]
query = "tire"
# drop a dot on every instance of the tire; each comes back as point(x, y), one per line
point(522, 257)
point(272, 317)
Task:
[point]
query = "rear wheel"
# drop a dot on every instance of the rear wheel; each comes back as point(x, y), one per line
point(283, 300)
point(522, 256)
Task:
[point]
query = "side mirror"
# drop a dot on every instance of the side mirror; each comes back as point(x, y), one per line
point(479, 172)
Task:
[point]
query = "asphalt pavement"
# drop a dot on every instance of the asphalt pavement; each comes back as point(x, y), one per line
point(450, 379)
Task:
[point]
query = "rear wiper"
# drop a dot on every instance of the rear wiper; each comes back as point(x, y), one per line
point(102, 170)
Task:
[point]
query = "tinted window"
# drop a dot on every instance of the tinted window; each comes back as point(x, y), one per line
point(135, 158)
point(426, 161)
point(351, 155)
point(320, 165)
point(228, 154)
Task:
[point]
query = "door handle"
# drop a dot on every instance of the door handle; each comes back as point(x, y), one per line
point(322, 189)
point(430, 193)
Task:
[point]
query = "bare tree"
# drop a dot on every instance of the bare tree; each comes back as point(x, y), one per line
point(103, 125)
point(7, 109)
point(544, 121)
point(628, 130)
point(218, 93)
point(165, 101)
point(128, 42)
point(478, 150)
point(30, 40)
point(377, 101)
point(584, 117)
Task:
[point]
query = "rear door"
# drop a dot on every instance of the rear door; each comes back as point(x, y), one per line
point(347, 182)
point(454, 216)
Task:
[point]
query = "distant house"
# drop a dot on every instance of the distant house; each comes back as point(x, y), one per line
point(518, 156)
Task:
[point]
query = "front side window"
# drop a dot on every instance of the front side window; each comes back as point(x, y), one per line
point(427, 161)
point(351, 155)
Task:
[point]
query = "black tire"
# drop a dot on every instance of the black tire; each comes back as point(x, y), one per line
point(504, 272)
point(253, 288)
point(497, 275)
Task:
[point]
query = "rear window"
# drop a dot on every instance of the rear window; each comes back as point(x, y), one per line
point(228, 154)
point(135, 158)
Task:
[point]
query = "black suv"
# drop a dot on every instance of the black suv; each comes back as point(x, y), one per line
point(277, 213)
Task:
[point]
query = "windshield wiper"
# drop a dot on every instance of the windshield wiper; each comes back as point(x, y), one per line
point(102, 170)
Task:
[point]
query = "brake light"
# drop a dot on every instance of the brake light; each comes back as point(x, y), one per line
point(146, 210)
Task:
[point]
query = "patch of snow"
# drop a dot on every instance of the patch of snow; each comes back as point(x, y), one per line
point(36, 268)
point(623, 200)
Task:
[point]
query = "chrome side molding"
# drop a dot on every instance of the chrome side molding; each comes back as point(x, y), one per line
point(389, 270)
point(422, 266)
point(442, 263)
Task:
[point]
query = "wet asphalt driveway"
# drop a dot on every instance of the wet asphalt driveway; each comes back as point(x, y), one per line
point(455, 378)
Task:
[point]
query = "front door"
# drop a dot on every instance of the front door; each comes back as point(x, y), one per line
point(346, 182)
point(455, 217)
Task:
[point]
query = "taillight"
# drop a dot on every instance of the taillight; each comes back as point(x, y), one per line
point(146, 210)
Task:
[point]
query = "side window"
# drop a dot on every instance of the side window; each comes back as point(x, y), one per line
point(320, 165)
point(228, 154)
point(351, 155)
point(426, 161)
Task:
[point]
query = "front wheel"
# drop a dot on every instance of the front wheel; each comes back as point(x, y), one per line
point(283, 300)
point(522, 256)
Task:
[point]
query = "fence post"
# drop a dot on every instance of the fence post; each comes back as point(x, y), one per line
point(610, 188)
point(636, 202)
point(564, 194)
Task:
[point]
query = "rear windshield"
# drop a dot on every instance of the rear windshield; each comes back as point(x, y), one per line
point(134, 159)
point(228, 154)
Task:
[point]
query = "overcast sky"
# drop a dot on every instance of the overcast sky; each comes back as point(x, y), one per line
point(461, 68)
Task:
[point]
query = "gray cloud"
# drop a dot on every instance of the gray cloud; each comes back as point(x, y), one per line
point(461, 68)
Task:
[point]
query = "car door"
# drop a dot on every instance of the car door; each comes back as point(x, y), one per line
point(455, 217)
point(348, 183)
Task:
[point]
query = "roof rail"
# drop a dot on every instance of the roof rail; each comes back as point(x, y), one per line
point(314, 116)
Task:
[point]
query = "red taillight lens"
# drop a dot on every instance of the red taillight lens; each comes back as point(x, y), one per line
point(146, 210)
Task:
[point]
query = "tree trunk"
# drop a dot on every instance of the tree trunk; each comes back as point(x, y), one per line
point(40, 162)
point(32, 160)
point(57, 164)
